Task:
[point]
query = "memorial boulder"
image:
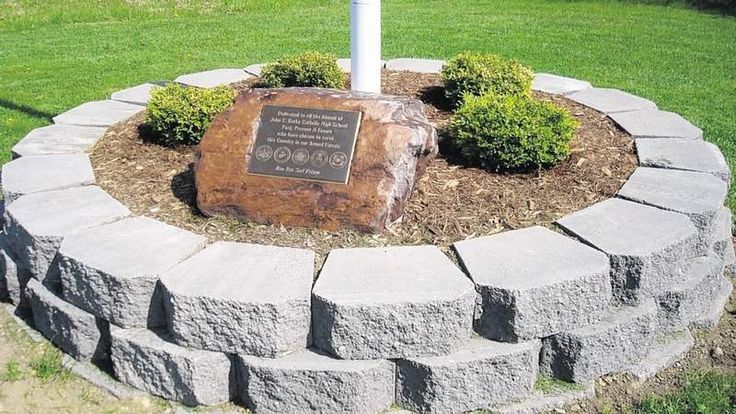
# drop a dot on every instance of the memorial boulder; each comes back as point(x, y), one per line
point(314, 158)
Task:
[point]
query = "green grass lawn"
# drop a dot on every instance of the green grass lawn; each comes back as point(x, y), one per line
point(56, 54)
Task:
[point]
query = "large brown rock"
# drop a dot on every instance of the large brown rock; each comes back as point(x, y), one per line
point(394, 145)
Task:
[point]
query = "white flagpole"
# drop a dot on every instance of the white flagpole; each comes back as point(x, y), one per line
point(365, 45)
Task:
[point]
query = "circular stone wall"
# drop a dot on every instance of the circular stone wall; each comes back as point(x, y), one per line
point(614, 287)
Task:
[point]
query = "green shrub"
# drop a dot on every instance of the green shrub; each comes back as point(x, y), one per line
point(476, 74)
point(313, 69)
point(511, 133)
point(179, 115)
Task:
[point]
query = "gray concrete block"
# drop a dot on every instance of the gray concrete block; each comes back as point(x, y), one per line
point(58, 139)
point(721, 238)
point(668, 349)
point(147, 360)
point(621, 340)
point(28, 175)
point(241, 298)
point(557, 85)
point(533, 283)
point(479, 375)
point(137, 95)
point(652, 123)
point(98, 113)
point(382, 303)
point(710, 318)
point(36, 224)
point(346, 64)
point(255, 69)
point(309, 381)
point(648, 247)
point(416, 65)
point(540, 402)
point(698, 195)
point(213, 78)
point(683, 154)
point(610, 101)
point(687, 301)
point(13, 280)
point(112, 271)
point(76, 332)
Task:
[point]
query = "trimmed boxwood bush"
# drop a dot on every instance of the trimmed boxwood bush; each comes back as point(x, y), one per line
point(180, 115)
point(511, 133)
point(479, 74)
point(311, 69)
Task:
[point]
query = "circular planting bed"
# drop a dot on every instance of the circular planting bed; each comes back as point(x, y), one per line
point(599, 265)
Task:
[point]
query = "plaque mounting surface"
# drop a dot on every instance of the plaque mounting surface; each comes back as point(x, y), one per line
point(305, 144)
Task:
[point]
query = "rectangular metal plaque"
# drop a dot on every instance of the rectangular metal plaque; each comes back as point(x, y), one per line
point(305, 143)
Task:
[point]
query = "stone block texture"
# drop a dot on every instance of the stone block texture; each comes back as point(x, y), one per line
point(76, 332)
point(480, 375)
point(112, 271)
point(137, 95)
point(610, 101)
point(58, 139)
point(648, 247)
point(616, 343)
point(35, 174)
point(309, 381)
point(147, 360)
point(698, 195)
point(669, 348)
point(36, 224)
point(98, 114)
point(416, 65)
point(652, 123)
point(533, 283)
point(241, 298)
point(13, 280)
point(381, 303)
point(683, 154)
point(709, 319)
point(557, 85)
point(687, 301)
point(255, 69)
point(213, 78)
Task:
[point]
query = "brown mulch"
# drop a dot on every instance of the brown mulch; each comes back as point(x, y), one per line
point(450, 202)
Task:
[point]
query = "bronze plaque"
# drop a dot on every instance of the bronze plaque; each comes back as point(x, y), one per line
point(305, 143)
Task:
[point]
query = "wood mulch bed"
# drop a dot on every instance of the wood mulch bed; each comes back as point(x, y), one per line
point(450, 202)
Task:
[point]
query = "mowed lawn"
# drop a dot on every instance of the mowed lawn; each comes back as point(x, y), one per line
point(56, 54)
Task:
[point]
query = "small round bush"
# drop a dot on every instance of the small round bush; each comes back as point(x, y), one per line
point(479, 74)
point(511, 133)
point(180, 115)
point(311, 69)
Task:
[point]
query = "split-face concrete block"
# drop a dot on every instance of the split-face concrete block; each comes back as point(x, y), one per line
point(309, 381)
point(241, 298)
point(668, 348)
point(147, 360)
point(255, 69)
point(137, 95)
point(214, 78)
point(381, 303)
point(98, 113)
point(648, 247)
point(542, 402)
point(112, 271)
point(58, 139)
point(721, 238)
point(622, 339)
point(416, 65)
point(533, 283)
point(690, 300)
point(683, 154)
point(13, 280)
point(36, 224)
point(698, 195)
point(652, 123)
point(76, 332)
point(28, 175)
point(479, 375)
point(710, 318)
point(610, 101)
point(557, 85)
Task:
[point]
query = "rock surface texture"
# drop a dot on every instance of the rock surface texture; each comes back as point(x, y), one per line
point(29, 175)
point(58, 139)
point(395, 143)
point(241, 298)
point(391, 303)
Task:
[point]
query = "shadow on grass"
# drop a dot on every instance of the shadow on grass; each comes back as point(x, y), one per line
point(33, 112)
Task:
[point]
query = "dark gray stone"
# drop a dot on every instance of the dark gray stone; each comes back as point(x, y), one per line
point(683, 154)
point(28, 175)
point(58, 139)
point(533, 283)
